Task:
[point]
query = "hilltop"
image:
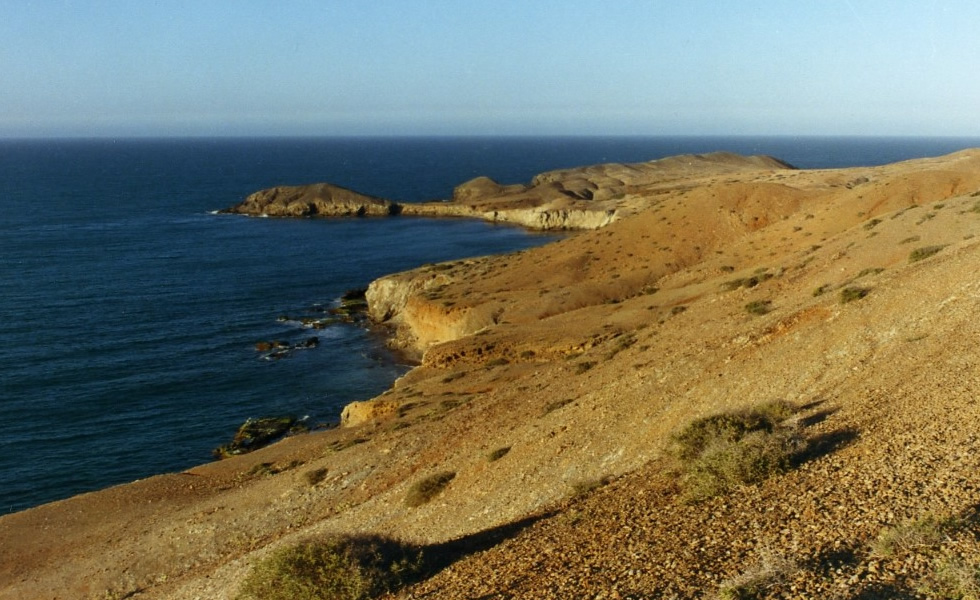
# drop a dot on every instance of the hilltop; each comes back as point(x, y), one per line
point(551, 382)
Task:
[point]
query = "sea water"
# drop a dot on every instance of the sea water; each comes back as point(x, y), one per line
point(129, 311)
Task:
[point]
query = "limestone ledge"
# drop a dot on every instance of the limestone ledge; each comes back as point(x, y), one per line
point(404, 302)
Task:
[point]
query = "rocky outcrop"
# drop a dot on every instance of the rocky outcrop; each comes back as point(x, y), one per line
point(357, 413)
point(256, 433)
point(407, 303)
point(317, 200)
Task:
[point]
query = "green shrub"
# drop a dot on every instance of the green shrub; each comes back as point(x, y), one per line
point(869, 271)
point(752, 459)
point(721, 452)
point(582, 367)
point(622, 343)
point(758, 307)
point(498, 454)
point(425, 490)
point(746, 282)
point(924, 252)
point(315, 476)
point(343, 568)
point(850, 294)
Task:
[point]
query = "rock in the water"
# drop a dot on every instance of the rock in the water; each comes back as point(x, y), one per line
point(254, 434)
point(352, 295)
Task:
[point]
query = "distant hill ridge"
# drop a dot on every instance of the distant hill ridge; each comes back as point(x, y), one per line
point(578, 198)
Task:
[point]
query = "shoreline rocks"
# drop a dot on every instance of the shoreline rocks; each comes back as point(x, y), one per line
point(256, 433)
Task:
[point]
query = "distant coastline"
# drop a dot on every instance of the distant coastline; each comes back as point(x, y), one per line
point(159, 302)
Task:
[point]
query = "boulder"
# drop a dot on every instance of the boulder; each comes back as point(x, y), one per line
point(254, 434)
point(357, 413)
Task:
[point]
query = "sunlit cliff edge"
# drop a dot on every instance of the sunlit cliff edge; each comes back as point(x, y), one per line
point(582, 358)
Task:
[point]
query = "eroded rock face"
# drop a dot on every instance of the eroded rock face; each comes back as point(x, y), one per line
point(357, 413)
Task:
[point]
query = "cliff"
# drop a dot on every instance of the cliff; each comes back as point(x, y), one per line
point(554, 381)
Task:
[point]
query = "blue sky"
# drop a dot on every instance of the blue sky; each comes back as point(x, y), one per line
point(488, 67)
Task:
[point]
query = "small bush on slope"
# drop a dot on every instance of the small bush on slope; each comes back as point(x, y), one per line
point(770, 571)
point(343, 568)
point(924, 253)
point(721, 452)
point(911, 535)
point(428, 488)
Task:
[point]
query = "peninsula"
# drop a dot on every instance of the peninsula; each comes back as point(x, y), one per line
point(734, 379)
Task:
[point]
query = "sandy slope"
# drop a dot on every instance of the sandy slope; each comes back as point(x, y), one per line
point(583, 357)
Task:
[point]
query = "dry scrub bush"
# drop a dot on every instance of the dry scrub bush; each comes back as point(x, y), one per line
point(315, 476)
point(425, 490)
point(911, 536)
point(343, 568)
point(953, 578)
point(924, 252)
point(850, 294)
point(498, 454)
point(758, 307)
point(771, 570)
point(720, 452)
point(585, 487)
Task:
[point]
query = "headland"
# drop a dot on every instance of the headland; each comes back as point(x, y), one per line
point(553, 382)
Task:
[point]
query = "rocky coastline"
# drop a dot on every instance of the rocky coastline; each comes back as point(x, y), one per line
point(554, 383)
point(570, 199)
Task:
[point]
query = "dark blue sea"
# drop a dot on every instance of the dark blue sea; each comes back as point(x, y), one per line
point(129, 312)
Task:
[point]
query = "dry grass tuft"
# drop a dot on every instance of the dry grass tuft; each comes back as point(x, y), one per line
point(770, 571)
point(911, 536)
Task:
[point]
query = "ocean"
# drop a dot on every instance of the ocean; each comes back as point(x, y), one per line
point(129, 311)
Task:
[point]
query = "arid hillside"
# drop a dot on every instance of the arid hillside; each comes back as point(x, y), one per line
point(832, 311)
